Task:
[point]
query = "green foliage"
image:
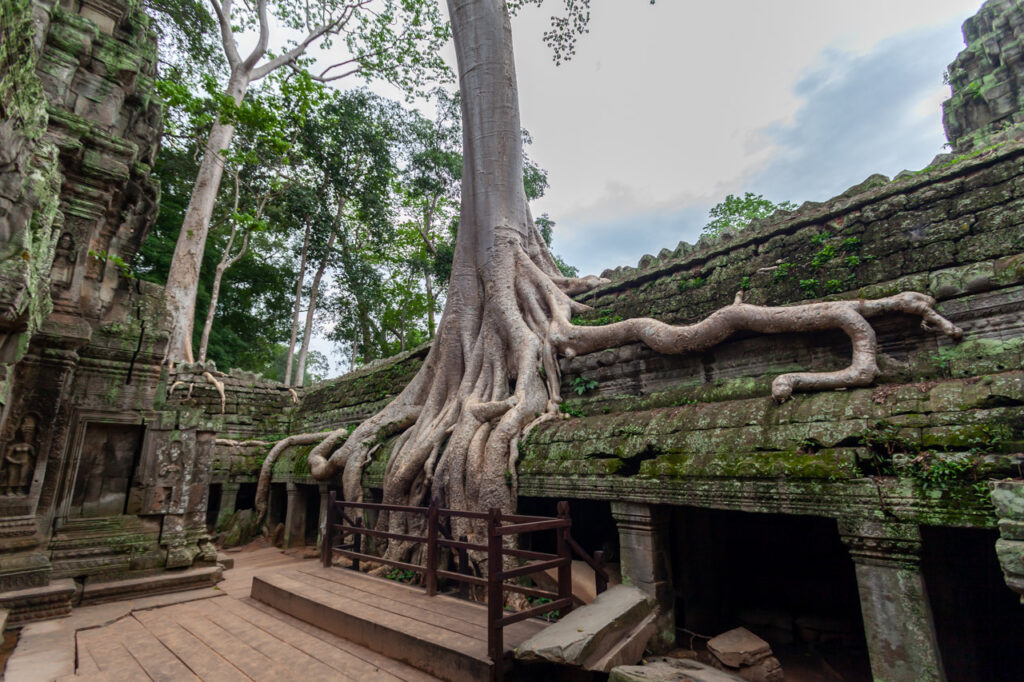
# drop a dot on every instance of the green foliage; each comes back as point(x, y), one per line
point(604, 316)
point(809, 287)
point(581, 384)
point(824, 256)
point(571, 409)
point(737, 212)
point(401, 575)
point(690, 283)
point(782, 271)
point(852, 261)
point(123, 267)
point(834, 286)
point(745, 283)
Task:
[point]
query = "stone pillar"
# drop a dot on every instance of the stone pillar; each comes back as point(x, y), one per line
point(295, 517)
point(645, 561)
point(325, 499)
point(1008, 499)
point(893, 600)
point(228, 501)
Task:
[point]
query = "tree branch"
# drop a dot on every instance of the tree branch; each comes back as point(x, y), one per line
point(227, 36)
point(264, 39)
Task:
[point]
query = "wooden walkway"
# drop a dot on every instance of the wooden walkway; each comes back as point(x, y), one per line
point(442, 635)
point(231, 637)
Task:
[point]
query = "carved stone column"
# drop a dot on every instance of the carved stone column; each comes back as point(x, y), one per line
point(325, 499)
point(295, 517)
point(645, 560)
point(228, 501)
point(1008, 499)
point(893, 600)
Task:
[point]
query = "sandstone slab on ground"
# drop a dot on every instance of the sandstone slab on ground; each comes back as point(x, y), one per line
point(590, 630)
point(671, 670)
point(739, 647)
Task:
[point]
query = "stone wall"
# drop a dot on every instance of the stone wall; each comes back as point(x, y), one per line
point(100, 480)
point(986, 78)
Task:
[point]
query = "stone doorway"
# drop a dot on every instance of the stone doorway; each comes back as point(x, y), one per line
point(107, 466)
point(788, 579)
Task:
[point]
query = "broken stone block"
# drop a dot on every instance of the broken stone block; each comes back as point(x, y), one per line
point(670, 670)
point(742, 652)
point(739, 647)
point(585, 635)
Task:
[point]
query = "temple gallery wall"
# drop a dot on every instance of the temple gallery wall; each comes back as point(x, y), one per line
point(889, 517)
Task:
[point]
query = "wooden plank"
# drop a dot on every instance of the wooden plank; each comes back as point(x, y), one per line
point(201, 659)
point(436, 650)
point(436, 629)
point(110, 655)
point(348, 658)
point(157, 660)
point(369, 589)
point(408, 603)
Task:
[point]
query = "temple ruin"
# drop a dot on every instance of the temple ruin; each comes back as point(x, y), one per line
point(890, 518)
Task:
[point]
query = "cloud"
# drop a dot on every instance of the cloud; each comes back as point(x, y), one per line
point(859, 114)
point(876, 113)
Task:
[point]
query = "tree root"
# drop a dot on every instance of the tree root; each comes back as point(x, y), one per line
point(849, 316)
point(267, 470)
point(492, 374)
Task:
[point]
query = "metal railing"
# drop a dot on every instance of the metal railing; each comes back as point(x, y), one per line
point(499, 526)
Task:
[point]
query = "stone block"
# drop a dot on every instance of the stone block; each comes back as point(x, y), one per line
point(739, 647)
point(589, 631)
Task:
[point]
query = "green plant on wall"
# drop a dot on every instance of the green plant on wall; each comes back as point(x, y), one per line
point(581, 384)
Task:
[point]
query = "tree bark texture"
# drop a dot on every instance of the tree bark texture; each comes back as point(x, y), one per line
point(288, 379)
point(183, 276)
point(307, 332)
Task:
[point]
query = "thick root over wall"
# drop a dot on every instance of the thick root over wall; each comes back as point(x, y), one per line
point(492, 372)
point(460, 420)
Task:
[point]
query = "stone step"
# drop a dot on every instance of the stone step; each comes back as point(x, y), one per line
point(38, 603)
point(165, 581)
point(598, 634)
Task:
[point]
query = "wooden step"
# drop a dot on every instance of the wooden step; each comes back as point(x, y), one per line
point(442, 636)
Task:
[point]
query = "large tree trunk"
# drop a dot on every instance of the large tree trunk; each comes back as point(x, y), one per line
point(288, 380)
point(492, 371)
point(307, 333)
point(183, 277)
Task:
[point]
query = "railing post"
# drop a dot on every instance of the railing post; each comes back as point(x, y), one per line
point(495, 596)
point(463, 568)
point(564, 551)
point(326, 548)
point(432, 513)
point(357, 540)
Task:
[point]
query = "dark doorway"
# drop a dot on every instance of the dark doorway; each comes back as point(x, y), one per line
point(979, 621)
point(788, 579)
point(213, 506)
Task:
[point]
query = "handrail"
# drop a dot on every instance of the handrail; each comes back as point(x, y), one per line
point(499, 527)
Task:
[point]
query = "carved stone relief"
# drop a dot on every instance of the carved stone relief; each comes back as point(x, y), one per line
point(107, 462)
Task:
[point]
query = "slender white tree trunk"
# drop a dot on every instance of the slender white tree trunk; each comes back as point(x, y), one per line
point(307, 333)
point(288, 380)
point(183, 277)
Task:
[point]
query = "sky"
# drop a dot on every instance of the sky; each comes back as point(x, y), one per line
point(667, 108)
